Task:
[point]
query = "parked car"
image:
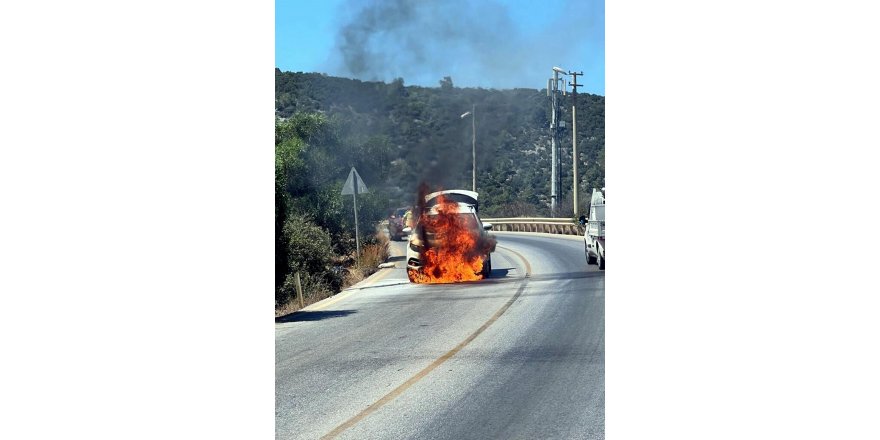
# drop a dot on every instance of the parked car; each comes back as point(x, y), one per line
point(396, 223)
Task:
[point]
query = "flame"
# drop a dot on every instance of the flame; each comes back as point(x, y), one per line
point(456, 251)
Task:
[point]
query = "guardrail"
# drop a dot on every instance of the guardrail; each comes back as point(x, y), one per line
point(564, 226)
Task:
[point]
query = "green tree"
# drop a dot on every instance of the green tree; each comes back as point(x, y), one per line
point(446, 83)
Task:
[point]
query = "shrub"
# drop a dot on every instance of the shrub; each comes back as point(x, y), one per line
point(309, 252)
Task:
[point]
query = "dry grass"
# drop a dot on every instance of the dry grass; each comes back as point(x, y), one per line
point(352, 277)
point(287, 309)
point(372, 255)
point(308, 299)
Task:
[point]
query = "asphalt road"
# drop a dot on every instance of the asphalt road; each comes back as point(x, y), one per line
point(518, 355)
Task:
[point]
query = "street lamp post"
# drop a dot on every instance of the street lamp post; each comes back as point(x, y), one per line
point(473, 114)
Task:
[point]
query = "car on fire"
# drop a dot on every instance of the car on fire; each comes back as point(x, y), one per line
point(396, 224)
point(447, 213)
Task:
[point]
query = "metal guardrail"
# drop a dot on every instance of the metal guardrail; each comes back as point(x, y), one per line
point(564, 226)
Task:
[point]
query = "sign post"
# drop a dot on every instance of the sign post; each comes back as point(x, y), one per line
point(353, 186)
point(299, 290)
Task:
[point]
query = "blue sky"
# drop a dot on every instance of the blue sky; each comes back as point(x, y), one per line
point(489, 44)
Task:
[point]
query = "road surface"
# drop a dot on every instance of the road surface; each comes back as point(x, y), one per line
point(518, 355)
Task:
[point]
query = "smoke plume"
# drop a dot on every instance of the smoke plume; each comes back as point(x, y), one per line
point(424, 40)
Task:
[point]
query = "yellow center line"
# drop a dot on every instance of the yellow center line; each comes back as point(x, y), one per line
point(526, 262)
point(421, 374)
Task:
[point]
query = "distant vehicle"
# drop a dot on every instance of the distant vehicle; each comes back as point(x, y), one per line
point(465, 211)
point(594, 233)
point(396, 224)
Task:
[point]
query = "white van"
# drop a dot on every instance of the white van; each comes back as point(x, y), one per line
point(594, 233)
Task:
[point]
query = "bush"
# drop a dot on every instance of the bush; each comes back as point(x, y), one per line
point(309, 252)
point(308, 246)
point(314, 287)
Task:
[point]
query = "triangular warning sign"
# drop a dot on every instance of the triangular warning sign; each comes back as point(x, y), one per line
point(353, 177)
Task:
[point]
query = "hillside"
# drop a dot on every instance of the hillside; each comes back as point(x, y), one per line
point(398, 136)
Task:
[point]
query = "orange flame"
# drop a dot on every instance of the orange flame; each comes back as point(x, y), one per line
point(456, 251)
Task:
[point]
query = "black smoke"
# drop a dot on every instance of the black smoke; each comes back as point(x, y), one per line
point(429, 39)
point(406, 37)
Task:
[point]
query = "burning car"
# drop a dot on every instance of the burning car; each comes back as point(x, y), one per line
point(449, 242)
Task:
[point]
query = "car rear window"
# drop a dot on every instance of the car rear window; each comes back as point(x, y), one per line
point(466, 219)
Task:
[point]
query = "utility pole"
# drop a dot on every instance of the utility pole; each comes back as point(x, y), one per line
point(555, 181)
point(574, 148)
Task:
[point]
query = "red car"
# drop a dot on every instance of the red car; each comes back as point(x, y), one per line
point(396, 225)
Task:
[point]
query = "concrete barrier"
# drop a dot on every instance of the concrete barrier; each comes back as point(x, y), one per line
point(563, 226)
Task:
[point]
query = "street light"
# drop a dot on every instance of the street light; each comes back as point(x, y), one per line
point(473, 114)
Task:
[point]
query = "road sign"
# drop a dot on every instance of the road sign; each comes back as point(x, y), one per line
point(348, 188)
point(354, 186)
